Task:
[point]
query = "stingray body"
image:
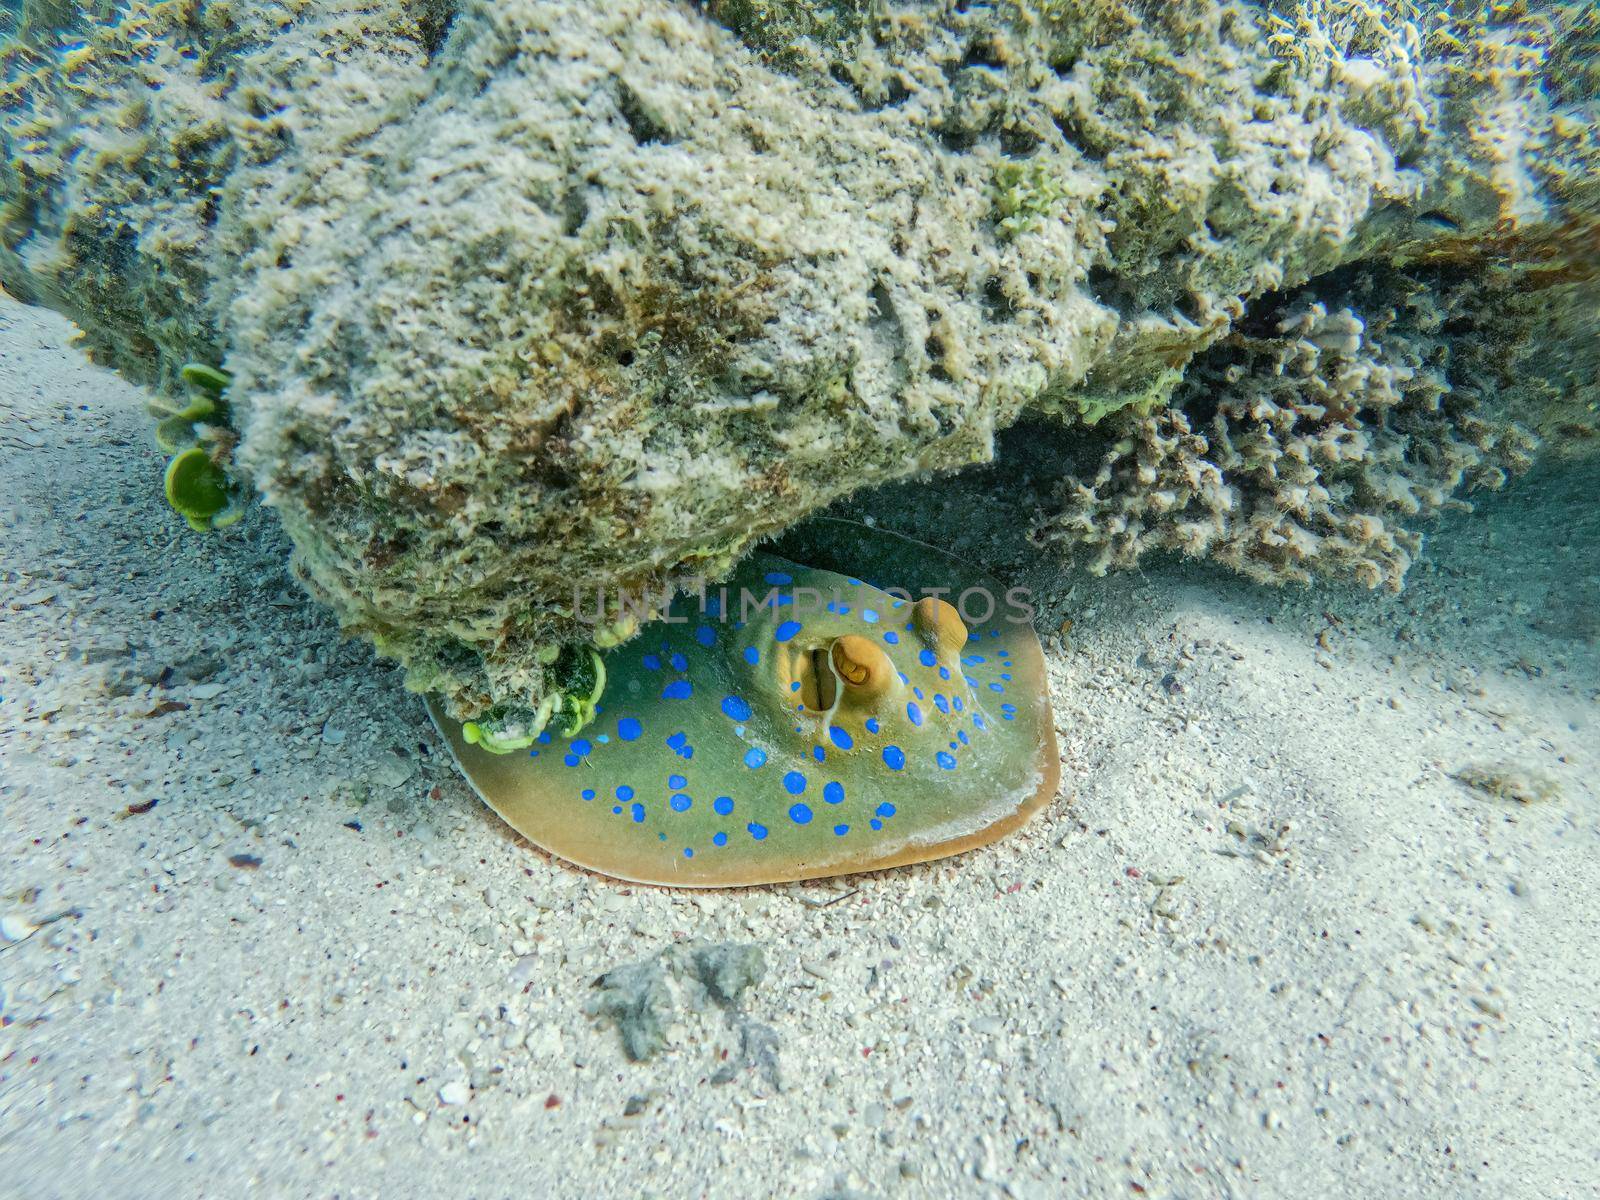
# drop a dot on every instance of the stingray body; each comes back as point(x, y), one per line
point(796, 722)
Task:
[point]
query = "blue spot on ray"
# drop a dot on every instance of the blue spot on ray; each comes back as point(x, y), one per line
point(706, 635)
point(681, 803)
point(927, 658)
point(676, 781)
point(736, 708)
point(786, 631)
point(629, 729)
point(800, 814)
point(757, 831)
point(794, 783)
point(722, 805)
point(752, 655)
point(894, 758)
point(755, 757)
point(678, 689)
point(946, 760)
point(840, 738)
point(833, 793)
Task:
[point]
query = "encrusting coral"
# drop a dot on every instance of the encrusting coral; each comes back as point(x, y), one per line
point(523, 297)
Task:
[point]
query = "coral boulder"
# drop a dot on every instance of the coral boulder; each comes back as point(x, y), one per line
point(524, 301)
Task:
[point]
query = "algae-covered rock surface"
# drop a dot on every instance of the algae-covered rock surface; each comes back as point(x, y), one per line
point(522, 300)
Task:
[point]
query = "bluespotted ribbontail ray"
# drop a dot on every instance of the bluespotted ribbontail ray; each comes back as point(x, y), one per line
point(839, 727)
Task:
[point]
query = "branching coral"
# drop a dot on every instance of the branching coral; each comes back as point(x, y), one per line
point(1308, 439)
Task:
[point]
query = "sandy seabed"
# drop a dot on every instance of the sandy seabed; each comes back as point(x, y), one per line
point(1316, 914)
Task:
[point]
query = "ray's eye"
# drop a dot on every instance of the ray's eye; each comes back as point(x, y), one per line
point(939, 625)
point(827, 686)
point(812, 684)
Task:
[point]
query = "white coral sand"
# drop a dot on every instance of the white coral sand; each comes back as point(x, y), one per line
point(255, 933)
